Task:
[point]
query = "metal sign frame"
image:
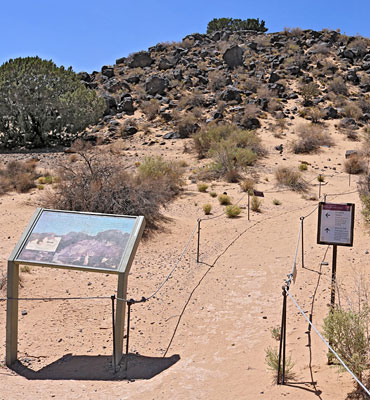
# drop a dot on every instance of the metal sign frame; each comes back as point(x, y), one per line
point(351, 207)
point(122, 272)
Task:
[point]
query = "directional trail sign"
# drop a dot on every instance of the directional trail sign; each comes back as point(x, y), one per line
point(335, 224)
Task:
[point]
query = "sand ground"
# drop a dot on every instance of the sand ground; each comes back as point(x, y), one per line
point(204, 335)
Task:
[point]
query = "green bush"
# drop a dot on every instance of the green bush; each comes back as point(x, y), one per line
point(303, 167)
point(213, 194)
point(224, 199)
point(43, 105)
point(347, 331)
point(256, 204)
point(355, 165)
point(202, 187)
point(231, 24)
point(232, 211)
point(207, 208)
point(276, 202)
point(230, 148)
point(272, 360)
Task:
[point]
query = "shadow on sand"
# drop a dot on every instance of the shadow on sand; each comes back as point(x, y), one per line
point(98, 368)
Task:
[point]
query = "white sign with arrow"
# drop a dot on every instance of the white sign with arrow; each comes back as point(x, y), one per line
point(336, 224)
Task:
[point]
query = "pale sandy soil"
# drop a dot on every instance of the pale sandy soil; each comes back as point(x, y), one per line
point(204, 335)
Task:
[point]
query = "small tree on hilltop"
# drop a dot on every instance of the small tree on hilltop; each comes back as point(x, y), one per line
point(42, 104)
point(219, 24)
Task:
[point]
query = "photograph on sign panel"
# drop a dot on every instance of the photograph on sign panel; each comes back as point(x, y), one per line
point(82, 240)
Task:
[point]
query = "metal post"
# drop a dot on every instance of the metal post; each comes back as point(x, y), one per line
point(12, 313)
point(333, 277)
point(198, 245)
point(319, 186)
point(302, 219)
point(120, 315)
point(349, 179)
point(332, 290)
point(113, 297)
point(281, 371)
point(248, 206)
point(129, 304)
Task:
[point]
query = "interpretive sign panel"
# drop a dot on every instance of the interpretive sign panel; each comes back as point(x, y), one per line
point(335, 224)
point(80, 240)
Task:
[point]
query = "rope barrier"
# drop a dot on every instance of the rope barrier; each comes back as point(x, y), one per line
point(54, 298)
point(326, 343)
point(144, 299)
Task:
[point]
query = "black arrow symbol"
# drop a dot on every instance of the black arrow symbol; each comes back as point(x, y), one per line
point(327, 215)
point(327, 230)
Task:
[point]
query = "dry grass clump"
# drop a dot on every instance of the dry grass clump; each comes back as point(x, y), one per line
point(202, 187)
point(247, 185)
point(355, 165)
point(97, 184)
point(224, 199)
point(232, 211)
point(338, 86)
point(207, 208)
point(291, 178)
point(151, 108)
point(19, 176)
point(310, 139)
point(256, 204)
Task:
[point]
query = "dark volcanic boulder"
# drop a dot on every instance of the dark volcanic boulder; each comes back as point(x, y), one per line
point(141, 59)
point(331, 113)
point(231, 94)
point(107, 71)
point(84, 76)
point(155, 85)
point(251, 123)
point(167, 63)
point(274, 77)
point(126, 104)
point(352, 77)
point(111, 105)
point(233, 56)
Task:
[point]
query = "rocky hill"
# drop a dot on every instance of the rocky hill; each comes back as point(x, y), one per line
point(248, 78)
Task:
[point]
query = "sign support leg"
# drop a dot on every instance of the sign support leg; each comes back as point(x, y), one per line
point(120, 316)
point(332, 289)
point(248, 206)
point(198, 245)
point(12, 313)
point(282, 346)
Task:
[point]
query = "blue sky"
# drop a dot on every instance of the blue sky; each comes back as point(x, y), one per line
point(63, 223)
point(89, 34)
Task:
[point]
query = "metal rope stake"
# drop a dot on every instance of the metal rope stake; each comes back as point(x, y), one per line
point(198, 245)
point(113, 297)
point(282, 346)
point(129, 304)
point(302, 219)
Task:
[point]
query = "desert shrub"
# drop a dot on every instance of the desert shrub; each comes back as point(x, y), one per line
point(43, 105)
point(195, 99)
point(303, 167)
point(202, 187)
point(186, 125)
point(310, 139)
point(236, 24)
point(320, 48)
point(247, 185)
point(320, 178)
point(217, 80)
point(224, 199)
point(256, 204)
point(315, 114)
point(291, 178)
point(338, 86)
point(19, 176)
point(309, 90)
point(232, 211)
point(151, 108)
point(276, 202)
point(355, 165)
point(272, 360)
point(3, 280)
point(352, 110)
point(213, 194)
point(97, 184)
point(229, 147)
point(276, 332)
point(207, 208)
